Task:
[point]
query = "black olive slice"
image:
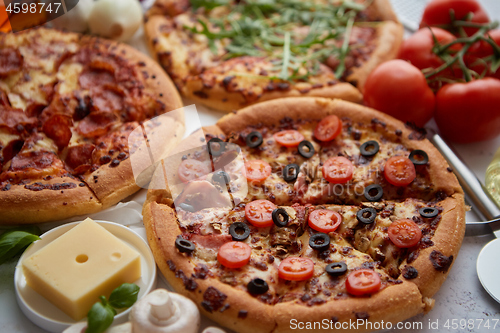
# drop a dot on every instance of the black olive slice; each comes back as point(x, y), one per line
point(428, 212)
point(239, 231)
point(257, 286)
point(280, 217)
point(419, 157)
point(336, 269)
point(186, 207)
point(320, 241)
point(183, 245)
point(254, 139)
point(366, 215)
point(374, 192)
point(220, 177)
point(216, 147)
point(369, 148)
point(306, 149)
point(291, 172)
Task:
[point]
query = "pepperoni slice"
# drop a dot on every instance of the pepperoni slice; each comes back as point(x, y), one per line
point(404, 233)
point(363, 282)
point(257, 170)
point(399, 171)
point(79, 155)
point(328, 128)
point(260, 213)
point(288, 138)
point(192, 169)
point(338, 170)
point(324, 220)
point(296, 269)
point(58, 129)
point(234, 254)
point(96, 123)
point(11, 61)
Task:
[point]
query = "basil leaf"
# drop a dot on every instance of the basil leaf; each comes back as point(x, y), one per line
point(14, 241)
point(124, 296)
point(100, 317)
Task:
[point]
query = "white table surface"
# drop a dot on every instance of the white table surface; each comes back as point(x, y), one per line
point(460, 297)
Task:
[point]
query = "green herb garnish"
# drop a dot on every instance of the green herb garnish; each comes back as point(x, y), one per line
point(14, 241)
point(294, 35)
point(102, 313)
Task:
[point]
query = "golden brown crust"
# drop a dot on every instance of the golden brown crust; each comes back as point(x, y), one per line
point(389, 39)
point(382, 9)
point(446, 241)
point(55, 199)
point(393, 304)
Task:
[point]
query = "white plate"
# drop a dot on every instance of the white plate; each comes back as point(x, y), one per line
point(46, 315)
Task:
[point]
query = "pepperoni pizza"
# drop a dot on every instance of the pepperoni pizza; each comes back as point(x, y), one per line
point(67, 106)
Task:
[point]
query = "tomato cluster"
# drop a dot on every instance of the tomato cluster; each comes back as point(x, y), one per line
point(449, 69)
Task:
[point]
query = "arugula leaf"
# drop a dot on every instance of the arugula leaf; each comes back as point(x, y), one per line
point(100, 316)
point(13, 242)
point(208, 4)
point(124, 296)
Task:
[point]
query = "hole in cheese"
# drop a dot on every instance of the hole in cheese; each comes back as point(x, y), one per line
point(82, 258)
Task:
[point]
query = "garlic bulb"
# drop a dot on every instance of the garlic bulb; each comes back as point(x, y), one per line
point(76, 19)
point(118, 20)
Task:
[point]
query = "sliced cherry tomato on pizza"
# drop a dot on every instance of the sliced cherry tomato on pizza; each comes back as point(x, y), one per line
point(324, 220)
point(399, 171)
point(192, 169)
point(234, 254)
point(338, 170)
point(296, 269)
point(328, 128)
point(257, 170)
point(404, 233)
point(260, 213)
point(288, 138)
point(437, 13)
point(363, 282)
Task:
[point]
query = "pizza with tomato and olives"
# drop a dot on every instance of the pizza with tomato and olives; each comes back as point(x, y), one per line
point(68, 104)
point(306, 209)
point(228, 54)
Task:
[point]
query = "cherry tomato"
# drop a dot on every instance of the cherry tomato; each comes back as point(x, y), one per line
point(234, 254)
point(296, 269)
point(338, 170)
point(289, 138)
point(328, 128)
point(324, 220)
point(192, 169)
point(418, 50)
point(363, 282)
point(437, 13)
point(257, 170)
point(399, 171)
point(259, 213)
point(400, 90)
point(469, 112)
point(404, 233)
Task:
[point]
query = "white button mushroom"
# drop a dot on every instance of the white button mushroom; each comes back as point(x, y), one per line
point(76, 19)
point(164, 312)
point(118, 20)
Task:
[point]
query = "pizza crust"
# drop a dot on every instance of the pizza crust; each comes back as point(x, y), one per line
point(22, 206)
